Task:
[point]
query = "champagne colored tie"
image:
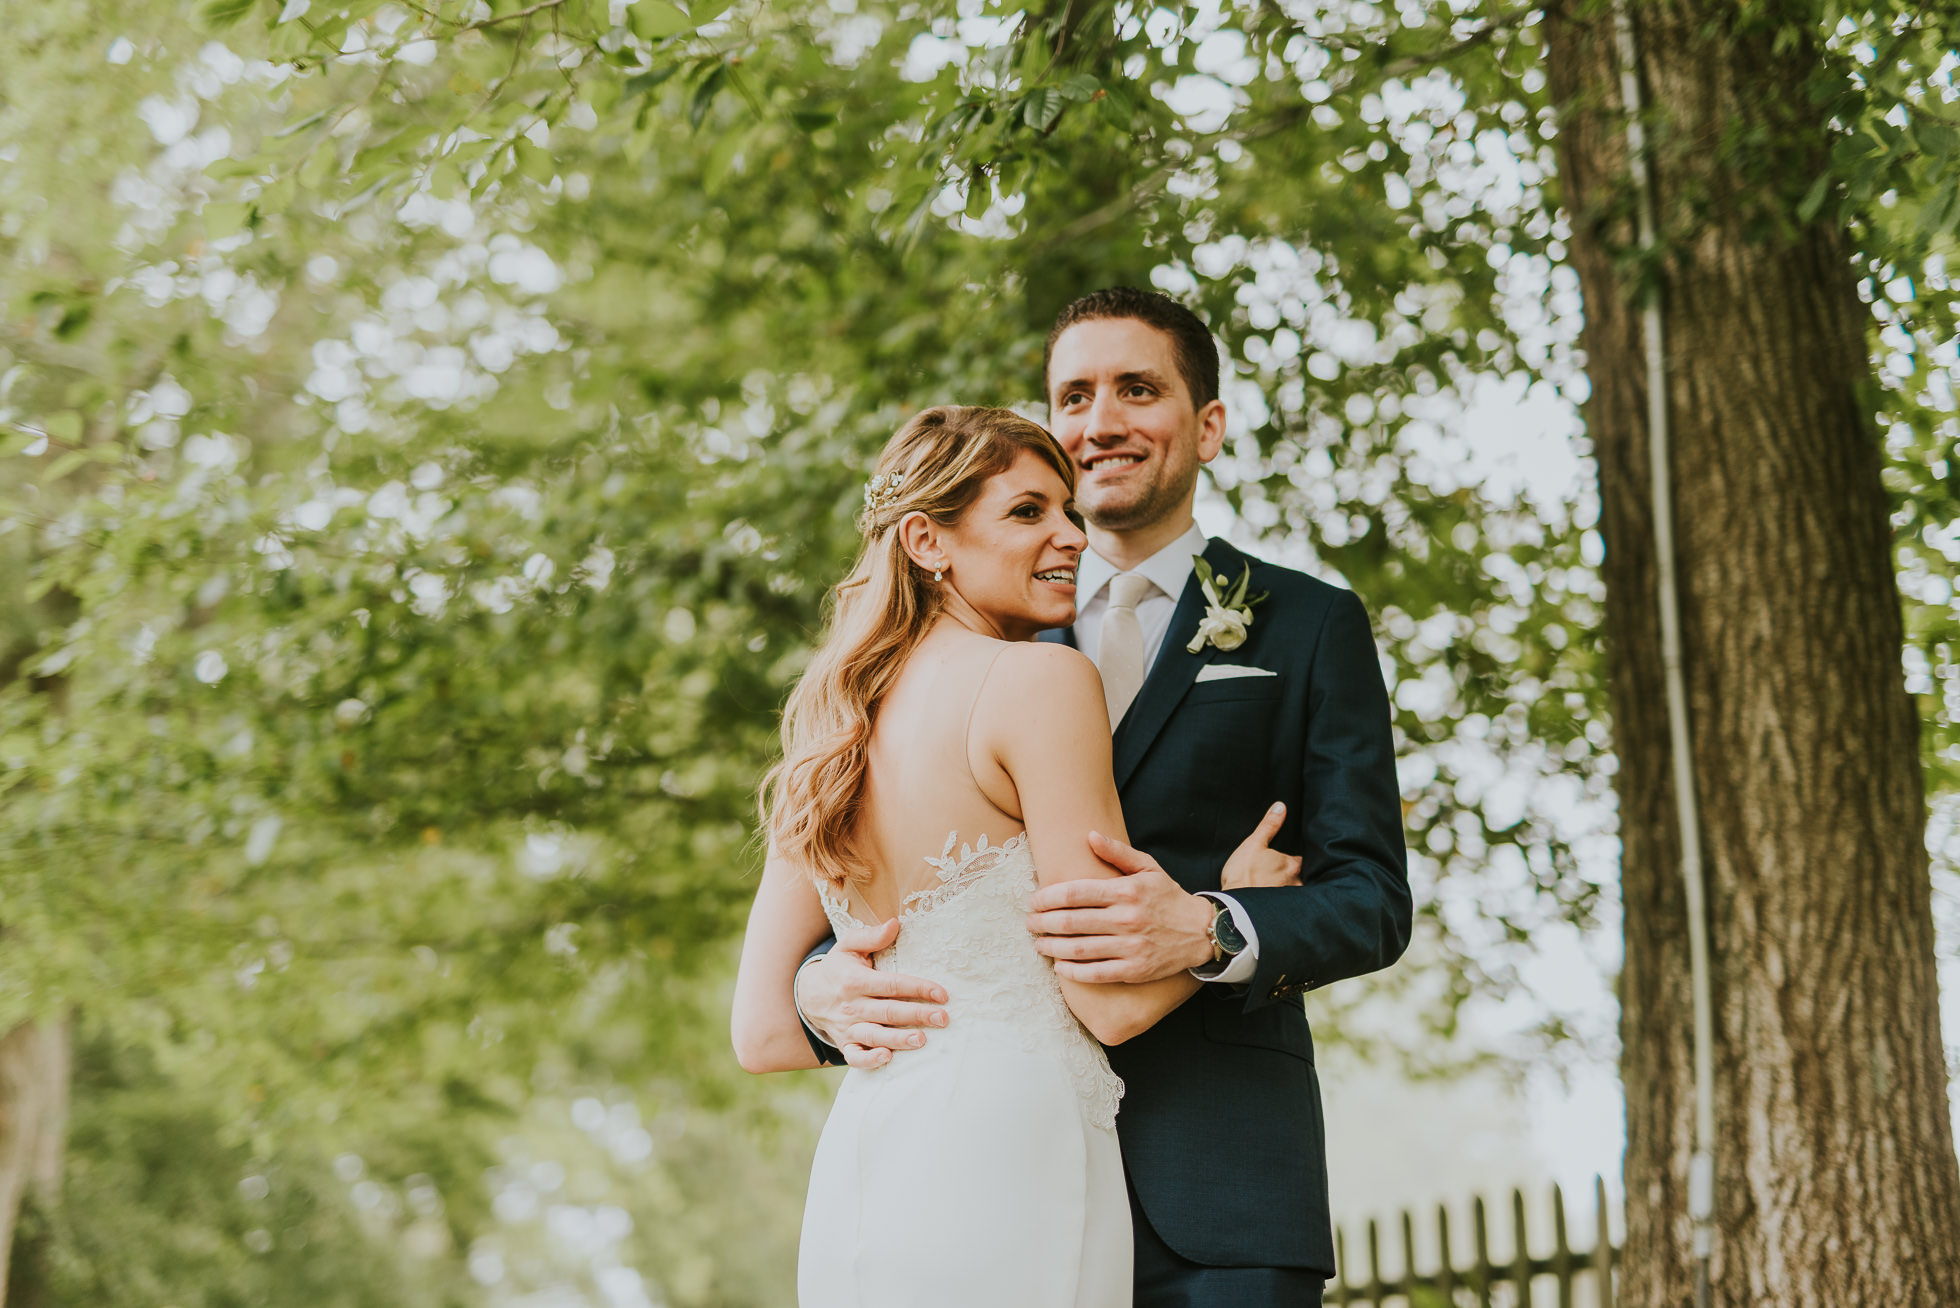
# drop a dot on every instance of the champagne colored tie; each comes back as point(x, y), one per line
point(1119, 652)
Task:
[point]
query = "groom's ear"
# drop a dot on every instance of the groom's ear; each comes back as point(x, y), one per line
point(918, 536)
point(1211, 430)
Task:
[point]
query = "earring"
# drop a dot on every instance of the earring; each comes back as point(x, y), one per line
point(939, 574)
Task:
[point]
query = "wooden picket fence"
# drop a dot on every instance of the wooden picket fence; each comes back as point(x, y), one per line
point(1482, 1282)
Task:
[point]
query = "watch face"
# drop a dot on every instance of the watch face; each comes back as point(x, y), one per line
point(1227, 931)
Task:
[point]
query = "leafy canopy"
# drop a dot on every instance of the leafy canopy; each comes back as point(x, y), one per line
point(430, 429)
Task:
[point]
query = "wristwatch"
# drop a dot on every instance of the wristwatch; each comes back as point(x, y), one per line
point(1226, 942)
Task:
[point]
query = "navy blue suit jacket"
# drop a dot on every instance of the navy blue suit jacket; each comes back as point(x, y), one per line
point(1221, 1124)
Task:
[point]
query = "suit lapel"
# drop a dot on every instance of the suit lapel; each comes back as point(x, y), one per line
point(1058, 636)
point(1175, 669)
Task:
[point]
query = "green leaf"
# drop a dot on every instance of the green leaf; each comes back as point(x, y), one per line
point(331, 34)
point(75, 316)
point(746, 90)
point(319, 165)
point(66, 427)
point(1937, 139)
point(222, 220)
point(64, 465)
point(1042, 107)
point(657, 20)
point(1938, 213)
point(706, 11)
point(1814, 198)
point(704, 96)
point(1118, 107)
point(720, 159)
point(952, 123)
point(645, 82)
point(295, 128)
point(1080, 88)
point(810, 119)
point(223, 170)
point(445, 179)
point(278, 197)
point(227, 13)
point(979, 194)
point(535, 162)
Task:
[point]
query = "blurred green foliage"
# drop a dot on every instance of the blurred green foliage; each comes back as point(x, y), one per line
point(428, 431)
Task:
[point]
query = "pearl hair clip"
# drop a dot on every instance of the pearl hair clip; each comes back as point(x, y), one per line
point(882, 492)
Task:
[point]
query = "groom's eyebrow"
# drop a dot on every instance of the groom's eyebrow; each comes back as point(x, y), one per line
point(1073, 384)
point(1149, 376)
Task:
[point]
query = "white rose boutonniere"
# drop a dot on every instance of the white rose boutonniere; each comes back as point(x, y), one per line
point(1228, 610)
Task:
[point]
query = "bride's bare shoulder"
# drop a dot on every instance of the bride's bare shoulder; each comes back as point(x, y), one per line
point(1046, 675)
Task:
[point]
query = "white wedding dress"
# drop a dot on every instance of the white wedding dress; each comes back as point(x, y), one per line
point(982, 1170)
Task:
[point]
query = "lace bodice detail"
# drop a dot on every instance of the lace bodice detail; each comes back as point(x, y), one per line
point(969, 933)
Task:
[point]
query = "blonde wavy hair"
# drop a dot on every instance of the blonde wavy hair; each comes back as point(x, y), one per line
point(812, 799)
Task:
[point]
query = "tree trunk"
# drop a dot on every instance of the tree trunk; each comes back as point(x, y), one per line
point(34, 1067)
point(1836, 1177)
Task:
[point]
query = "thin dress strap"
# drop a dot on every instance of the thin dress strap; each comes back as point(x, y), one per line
point(966, 736)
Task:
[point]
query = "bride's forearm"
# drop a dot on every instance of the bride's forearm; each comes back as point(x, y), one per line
point(771, 1044)
point(763, 1025)
point(785, 922)
point(1117, 1012)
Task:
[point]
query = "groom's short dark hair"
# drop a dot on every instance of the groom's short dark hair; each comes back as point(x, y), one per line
point(1191, 344)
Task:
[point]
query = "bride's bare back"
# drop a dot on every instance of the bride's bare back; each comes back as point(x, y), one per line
point(924, 779)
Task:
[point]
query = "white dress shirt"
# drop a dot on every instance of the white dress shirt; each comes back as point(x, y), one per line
point(1169, 569)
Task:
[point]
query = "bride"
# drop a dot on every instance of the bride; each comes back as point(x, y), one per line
point(938, 765)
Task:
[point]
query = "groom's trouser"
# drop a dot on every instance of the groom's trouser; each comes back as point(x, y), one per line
point(1167, 1279)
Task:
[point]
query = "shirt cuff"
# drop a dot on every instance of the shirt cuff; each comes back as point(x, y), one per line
point(797, 1000)
point(1240, 967)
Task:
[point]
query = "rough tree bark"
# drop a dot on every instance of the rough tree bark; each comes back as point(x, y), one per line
point(1837, 1181)
point(34, 1071)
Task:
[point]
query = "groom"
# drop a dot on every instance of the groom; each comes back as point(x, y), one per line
point(1215, 717)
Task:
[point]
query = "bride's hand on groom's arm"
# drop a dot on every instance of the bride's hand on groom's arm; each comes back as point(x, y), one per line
point(867, 1014)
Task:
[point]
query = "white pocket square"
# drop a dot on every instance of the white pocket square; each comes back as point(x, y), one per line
point(1228, 671)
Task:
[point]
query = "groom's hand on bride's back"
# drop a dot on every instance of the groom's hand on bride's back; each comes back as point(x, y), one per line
point(864, 1013)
